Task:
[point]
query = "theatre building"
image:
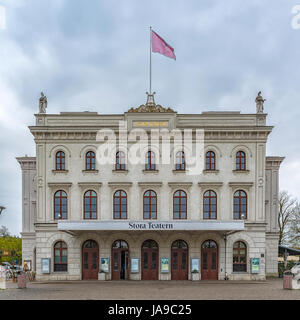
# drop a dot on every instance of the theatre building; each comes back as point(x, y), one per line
point(160, 218)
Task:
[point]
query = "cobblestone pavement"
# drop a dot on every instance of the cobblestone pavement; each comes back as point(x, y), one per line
point(143, 290)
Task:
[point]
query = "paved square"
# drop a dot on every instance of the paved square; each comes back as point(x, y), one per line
point(142, 290)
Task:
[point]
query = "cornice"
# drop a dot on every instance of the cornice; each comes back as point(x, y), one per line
point(216, 134)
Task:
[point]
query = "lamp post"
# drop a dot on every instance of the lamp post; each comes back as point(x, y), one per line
point(1, 209)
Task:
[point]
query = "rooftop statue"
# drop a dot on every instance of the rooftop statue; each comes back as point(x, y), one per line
point(259, 103)
point(43, 103)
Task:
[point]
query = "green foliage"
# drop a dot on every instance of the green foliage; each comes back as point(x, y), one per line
point(12, 245)
point(289, 266)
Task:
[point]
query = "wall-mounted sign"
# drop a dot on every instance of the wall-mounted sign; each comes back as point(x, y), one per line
point(195, 265)
point(164, 265)
point(135, 265)
point(254, 263)
point(104, 265)
point(150, 124)
point(27, 265)
point(46, 263)
point(150, 225)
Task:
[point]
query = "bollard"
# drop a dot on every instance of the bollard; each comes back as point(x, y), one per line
point(22, 281)
point(287, 280)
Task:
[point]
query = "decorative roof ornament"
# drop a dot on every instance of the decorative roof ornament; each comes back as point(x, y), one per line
point(259, 103)
point(150, 106)
point(43, 103)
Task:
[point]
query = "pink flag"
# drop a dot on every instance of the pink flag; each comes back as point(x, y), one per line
point(159, 45)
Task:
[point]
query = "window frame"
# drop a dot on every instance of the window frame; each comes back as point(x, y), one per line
point(240, 156)
point(150, 161)
point(210, 197)
point(180, 161)
point(239, 256)
point(120, 161)
point(179, 204)
point(60, 161)
point(60, 249)
point(90, 161)
point(120, 205)
point(150, 197)
point(61, 197)
point(209, 164)
point(90, 212)
point(240, 197)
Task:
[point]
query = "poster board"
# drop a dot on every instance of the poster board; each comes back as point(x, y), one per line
point(254, 265)
point(104, 265)
point(45, 262)
point(27, 265)
point(135, 265)
point(195, 264)
point(164, 265)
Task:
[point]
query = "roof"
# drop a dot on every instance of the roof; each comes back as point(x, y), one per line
point(291, 251)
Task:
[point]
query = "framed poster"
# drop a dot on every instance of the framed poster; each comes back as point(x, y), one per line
point(164, 265)
point(27, 265)
point(46, 265)
point(135, 265)
point(104, 265)
point(195, 265)
point(254, 265)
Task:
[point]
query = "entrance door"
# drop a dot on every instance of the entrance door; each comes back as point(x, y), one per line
point(179, 260)
point(150, 260)
point(90, 260)
point(120, 260)
point(209, 265)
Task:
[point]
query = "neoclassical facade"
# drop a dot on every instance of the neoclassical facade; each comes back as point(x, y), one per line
point(159, 218)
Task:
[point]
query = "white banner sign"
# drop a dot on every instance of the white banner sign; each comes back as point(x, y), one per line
point(150, 225)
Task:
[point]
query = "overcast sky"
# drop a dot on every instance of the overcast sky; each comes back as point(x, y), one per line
point(94, 55)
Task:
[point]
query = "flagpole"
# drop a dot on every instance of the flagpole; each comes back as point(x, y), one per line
point(150, 60)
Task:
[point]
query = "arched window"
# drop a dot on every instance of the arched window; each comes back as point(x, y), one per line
point(149, 244)
point(240, 160)
point(239, 256)
point(120, 205)
point(150, 205)
point(120, 244)
point(180, 161)
point(60, 162)
point(120, 160)
point(90, 244)
point(179, 204)
point(209, 244)
point(210, 163)
point(179, 244)
point(90, 205)
point(60, 205)
point(150, 160)
point(240, 205)
point(209, 205)
point(90, 161)
point(60, 256)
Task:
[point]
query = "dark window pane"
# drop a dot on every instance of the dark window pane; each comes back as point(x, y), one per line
point(145, 260)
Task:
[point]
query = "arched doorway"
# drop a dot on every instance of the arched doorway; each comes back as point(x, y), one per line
point(149, 260)
point(90, 260)
point(120, 253)
point(209, 264)
point(179, 260)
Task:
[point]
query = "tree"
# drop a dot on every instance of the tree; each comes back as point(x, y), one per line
point(294, 227)
point(287, 209)
point(4, 232)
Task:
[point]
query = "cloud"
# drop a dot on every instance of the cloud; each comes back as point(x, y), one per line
point(95, 56)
